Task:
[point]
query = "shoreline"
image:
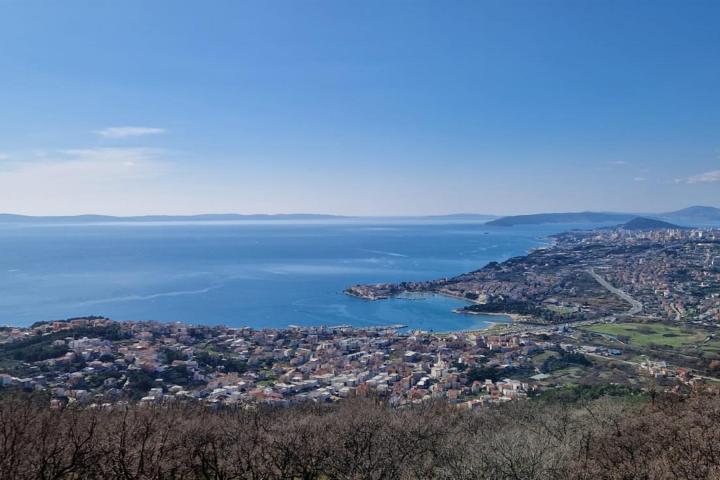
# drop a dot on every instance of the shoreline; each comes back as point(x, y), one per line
point(512, 318)
point(547, 242)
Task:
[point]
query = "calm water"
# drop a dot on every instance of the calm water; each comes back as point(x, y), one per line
point(255, 274)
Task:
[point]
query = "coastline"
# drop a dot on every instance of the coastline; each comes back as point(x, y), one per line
point(547, 242)
point(514, 317)
point(509, 318)
point(298, 291)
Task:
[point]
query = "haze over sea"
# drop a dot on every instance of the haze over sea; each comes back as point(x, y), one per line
point(258, 274)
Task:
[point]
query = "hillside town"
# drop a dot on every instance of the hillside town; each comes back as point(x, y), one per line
point(152, 362)
point(631, 308)
point(673, 273)
point(96, 361)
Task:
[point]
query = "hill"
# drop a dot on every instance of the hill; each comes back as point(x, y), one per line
point(546, 438)
point(693, 215)
point(643, 223)
point(569, 217)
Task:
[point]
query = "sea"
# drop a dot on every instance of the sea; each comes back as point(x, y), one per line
point(261, 274)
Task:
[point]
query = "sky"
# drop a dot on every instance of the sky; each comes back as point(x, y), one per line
point(358, 107)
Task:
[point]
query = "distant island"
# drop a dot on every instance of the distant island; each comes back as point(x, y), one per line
point(690, 216)
point(210, 217)
point(571, 217)
point(228, 217)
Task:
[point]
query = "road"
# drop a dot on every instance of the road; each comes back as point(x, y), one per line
point(637, 365)
point(635, 308)
point(636, 305)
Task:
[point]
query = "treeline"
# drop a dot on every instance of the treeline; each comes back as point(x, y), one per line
point(41, 346)
point(666, 438)
point(526, 308)
point(564, 359)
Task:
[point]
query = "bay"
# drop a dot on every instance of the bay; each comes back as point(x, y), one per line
point(258, 274)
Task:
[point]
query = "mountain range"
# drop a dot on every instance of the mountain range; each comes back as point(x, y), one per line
point(696, 215)
point(224, 217)
point(212, 217)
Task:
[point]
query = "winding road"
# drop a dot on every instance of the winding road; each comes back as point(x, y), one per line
point(636, 305)
point(635, 308)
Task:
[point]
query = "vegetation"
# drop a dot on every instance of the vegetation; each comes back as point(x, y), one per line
point(170, 355)
point(505, 306)
point(215, 360)
point(524, 308)
point(644, 334)
point(480, 374)
point(576, 394)
point(139, 383)
point(177, 375)
point(46, 322)
point(563, 360)
point(607, 438)
point(41, 347)
point(36, 352)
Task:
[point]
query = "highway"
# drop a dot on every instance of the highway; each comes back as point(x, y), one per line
point(635, 308)
point(636, 305)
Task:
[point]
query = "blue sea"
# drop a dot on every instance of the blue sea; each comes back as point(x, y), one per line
point(258, 274)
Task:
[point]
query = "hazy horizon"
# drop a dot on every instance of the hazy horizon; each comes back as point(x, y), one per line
point(324, 214)
point(358, 108)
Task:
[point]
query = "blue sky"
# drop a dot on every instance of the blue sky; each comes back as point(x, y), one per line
point(347, 107)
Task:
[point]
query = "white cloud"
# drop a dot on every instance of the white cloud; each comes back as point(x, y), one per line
point(707, 177)
point(4, 156)
point(618, 162)
point(639, 179)
point(124, 132)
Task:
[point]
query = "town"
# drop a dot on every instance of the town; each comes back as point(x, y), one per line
point(668, 274)
point(97, 361)
point(631, 309)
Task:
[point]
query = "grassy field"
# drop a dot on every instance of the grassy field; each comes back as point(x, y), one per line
point(642, 334)
point(539, 358)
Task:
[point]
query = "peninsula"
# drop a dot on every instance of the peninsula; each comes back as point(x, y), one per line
point(591, 275)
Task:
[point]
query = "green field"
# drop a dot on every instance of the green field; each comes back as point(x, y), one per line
point(643, 334)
